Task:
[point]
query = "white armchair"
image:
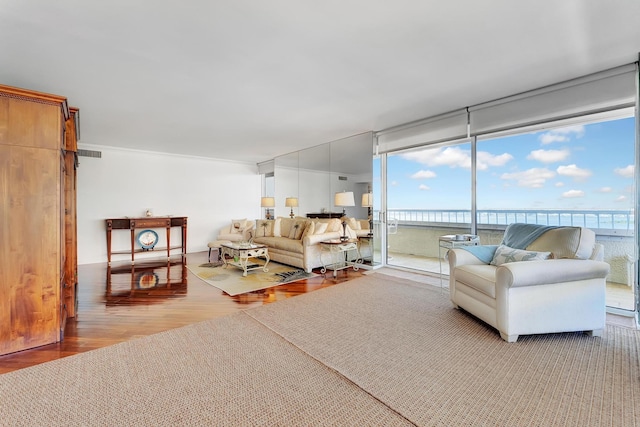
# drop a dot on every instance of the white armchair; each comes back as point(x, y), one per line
point(555, 283)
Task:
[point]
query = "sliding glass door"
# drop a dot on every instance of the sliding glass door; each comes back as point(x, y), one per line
point(428, 196)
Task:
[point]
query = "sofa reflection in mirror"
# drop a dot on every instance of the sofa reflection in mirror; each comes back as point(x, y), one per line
point(539, 280)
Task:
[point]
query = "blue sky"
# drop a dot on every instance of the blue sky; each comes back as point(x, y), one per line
point(576, 167)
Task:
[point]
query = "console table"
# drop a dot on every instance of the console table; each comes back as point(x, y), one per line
point(134, 224)
point(325, 215)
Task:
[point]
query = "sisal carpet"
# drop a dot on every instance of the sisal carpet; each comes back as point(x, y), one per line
point(230, 279)
point(376, 350)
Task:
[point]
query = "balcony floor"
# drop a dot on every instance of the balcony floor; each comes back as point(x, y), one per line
point(619, 296)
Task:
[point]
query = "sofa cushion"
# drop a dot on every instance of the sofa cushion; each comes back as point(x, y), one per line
point(333, 224)
point(504, 254)
point(285, 226)
point(238, 225)
point(320, 227)
point(297, 228)
point(566, 242)
point(264, 227)
point(481, 277)
point(353, 223)
point(282, 243)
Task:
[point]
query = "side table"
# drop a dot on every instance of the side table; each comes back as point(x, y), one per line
point(338, 251)
point(368, 245)
point(452, 241)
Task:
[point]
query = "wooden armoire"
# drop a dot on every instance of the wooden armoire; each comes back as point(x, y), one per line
point(38, 240)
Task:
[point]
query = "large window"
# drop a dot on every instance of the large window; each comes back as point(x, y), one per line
point(585, 168)
point(580, 175)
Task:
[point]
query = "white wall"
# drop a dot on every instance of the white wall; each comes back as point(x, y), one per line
point(125, 183)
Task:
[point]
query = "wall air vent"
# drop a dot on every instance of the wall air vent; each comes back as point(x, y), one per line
point(90, 153)
point(342, 178)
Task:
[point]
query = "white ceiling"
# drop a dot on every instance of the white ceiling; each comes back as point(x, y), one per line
point(249, 79)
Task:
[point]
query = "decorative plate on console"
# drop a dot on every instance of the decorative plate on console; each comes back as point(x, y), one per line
point(147, 239)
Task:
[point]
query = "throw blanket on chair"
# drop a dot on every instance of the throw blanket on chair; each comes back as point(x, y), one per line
point(517, 236)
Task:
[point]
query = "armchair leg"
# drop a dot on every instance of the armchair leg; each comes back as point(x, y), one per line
point(594, 333)
point(509, 338)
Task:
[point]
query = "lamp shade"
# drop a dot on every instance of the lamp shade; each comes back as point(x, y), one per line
point(267, 202)
point(291, 202)
point(344, 199)
point(367, 200)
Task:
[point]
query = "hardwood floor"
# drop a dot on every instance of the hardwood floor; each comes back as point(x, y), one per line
point(113, 308)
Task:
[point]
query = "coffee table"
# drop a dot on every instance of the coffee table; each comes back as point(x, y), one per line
point(240, 253)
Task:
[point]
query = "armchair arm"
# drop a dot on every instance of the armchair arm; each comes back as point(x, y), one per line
point(462, 257)
point(531, 273)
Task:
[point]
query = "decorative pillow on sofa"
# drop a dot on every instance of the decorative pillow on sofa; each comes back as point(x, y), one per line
point(505, 254)
point(277, 227)
point(320, 227)
point(296, 230)
point(334, 224)
point(265, 227)
point(238, 225)
point(285, 226)
point(353, 223)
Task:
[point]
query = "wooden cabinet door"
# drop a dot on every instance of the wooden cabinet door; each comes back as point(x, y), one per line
point(30, 241)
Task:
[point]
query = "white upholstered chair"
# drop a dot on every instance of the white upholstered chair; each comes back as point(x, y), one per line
point(540, 280)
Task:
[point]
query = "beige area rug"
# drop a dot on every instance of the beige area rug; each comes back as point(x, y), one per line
point(230, 279)
point(373, 351)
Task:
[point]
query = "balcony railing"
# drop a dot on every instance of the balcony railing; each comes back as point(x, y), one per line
point(622, 220)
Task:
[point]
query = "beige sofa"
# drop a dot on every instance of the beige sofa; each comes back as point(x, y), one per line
point(540, 280)
point(296, 241)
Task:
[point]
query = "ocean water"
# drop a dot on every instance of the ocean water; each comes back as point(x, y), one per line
point(618, 220)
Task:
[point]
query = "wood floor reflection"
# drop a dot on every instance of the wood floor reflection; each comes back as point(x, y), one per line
point(121, 304)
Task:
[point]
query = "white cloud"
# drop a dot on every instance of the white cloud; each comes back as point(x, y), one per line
point(532, 178)
point(449, 156)
point(394, 183)
point(423, 174)
point(549, 156)
point(574, 172)
point(423, 187)
point(621, 199)
point(625, 172)
point(605, 190)
point(456, 157)
point(559, 184)
point(484, 160)
point(562, 134)
point(573, 194)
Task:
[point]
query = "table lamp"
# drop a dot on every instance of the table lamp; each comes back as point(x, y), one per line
point(343, 200)
point(267, 202)
point(291, 202)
